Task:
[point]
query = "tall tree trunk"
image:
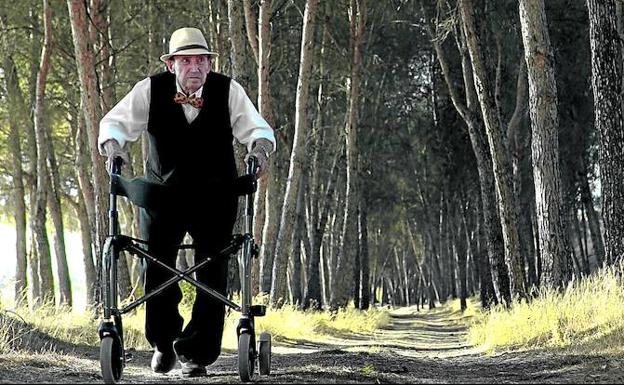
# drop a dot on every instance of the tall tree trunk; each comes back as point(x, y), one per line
point(16, 119)
point(364, 287)
point(462, 251)
point(295, 269)
point(554, 242)
point(265, 222)
point(87, 251)
point(574, 221)
point(39, 215)
point(282, 246)
point(523, 184)
point(500, 156)
point(87, 198)
point(491, 220)
point(592, 218)
point(54, 204)
point(357, 23)
point(318, 212)
point(608, 85)
point(251, 25)
point(85, 63)
point(237, 63)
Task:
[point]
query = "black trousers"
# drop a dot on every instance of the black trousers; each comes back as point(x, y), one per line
point(210, 224)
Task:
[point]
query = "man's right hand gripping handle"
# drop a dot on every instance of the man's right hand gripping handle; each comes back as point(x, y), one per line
point(113, 150)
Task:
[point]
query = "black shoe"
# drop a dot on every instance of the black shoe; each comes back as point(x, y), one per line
point(192, 369)
point(163, 361)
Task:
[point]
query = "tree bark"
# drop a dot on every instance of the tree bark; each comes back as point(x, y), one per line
point(251, 25)
point(491, 220)
point(282, 246)
point(85, 63)
point(608, 85)
point(364, 286)
point(592, 219)
point(264, 221)
point(39, 214)
point(554, 242)
point(54, 204)
point(357, 23)
point(500, 156)
point(237, 63)
point(16, 119)
point(296, 274)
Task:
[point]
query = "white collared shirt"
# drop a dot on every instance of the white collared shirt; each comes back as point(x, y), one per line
point(127, 120)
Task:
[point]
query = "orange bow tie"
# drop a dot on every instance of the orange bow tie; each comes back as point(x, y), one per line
point(194, 101)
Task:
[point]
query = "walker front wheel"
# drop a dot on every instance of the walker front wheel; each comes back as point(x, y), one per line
point(246, 357)
point(111, 359)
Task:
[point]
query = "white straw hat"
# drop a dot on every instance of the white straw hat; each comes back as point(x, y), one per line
point(187, 41)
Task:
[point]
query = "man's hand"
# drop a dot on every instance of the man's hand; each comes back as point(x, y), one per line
point(261, 150)
point(113, 150)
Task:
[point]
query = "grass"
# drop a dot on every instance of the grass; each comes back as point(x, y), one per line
point(289, 323)
point(587, 317)
point(48, 328)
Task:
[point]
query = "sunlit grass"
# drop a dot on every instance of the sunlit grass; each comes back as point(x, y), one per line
point(290, 323)
point(53, 325)
point(587, 317)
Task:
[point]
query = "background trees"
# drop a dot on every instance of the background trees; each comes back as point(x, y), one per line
point(408, 167)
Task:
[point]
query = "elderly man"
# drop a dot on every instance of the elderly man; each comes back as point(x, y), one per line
point(191, 116)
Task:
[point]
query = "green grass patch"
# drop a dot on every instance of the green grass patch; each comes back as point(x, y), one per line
point(587, 317)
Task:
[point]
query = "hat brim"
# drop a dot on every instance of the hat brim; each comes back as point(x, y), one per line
point(192, 51)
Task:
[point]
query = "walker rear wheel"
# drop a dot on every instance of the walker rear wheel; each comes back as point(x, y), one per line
point(111, 359)
point(246, 359)
point(264, 354)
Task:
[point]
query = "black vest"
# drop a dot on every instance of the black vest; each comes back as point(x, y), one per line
point(187, 155)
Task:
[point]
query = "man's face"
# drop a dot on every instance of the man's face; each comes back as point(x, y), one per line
point(190, 70)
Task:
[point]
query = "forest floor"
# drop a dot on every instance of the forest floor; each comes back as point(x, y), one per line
point(416, 347)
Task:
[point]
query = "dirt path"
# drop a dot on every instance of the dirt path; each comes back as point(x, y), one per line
point(425, 347)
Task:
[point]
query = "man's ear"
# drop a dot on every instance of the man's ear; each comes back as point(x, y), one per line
point(170, 63)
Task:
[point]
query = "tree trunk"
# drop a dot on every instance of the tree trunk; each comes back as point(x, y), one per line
point(491, 220)
point(251, 25)
point(87, 198)
point(462, 250)
point(282, 246)
point(85, 63)
point(54, 205)
point(39, 215)
point(554, 242)
point(264, 221)
point(237, 63)
point(608, 85)
point(87, 251)
point(364, 287)
point(500, 156)
point(593, 220)
point(296, 275)
point(357, 23)
point(15, 103)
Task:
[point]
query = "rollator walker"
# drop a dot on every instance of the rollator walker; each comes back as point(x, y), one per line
point(144, 193)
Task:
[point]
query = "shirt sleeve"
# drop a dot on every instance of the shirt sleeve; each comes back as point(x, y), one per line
point(127, 119)
point(247, 124)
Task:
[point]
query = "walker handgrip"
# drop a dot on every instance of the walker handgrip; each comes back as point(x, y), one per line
point(117, 163)
point(252, 164)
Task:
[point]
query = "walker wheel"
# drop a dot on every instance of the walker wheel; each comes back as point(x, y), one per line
point(264, 354)
point(111, 359)
point(246, 359)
